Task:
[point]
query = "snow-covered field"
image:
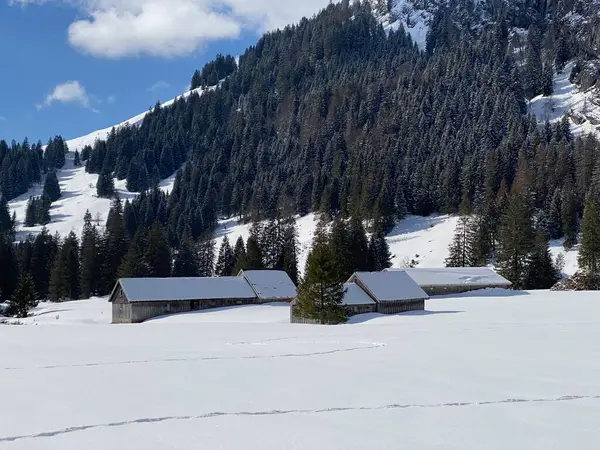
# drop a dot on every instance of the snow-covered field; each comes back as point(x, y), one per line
point(493, 370)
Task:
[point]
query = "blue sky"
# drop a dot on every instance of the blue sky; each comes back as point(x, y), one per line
point(70, 67)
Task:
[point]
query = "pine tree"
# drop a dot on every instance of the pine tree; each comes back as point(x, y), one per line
point(31, 212)
point(206, 257)
point(320, 293)
point(225, 260)
point(589, 252)
point(254, 259)
point(239, 253)
point(90, 246)
point(340, 247)
point(114, 246)
point(45, 249)
point(541, 272)
point(65, 276)
point(10, 268)
point(105, 186)
point(158, 254)
point(23, 298)
point(51, 186)
point(7, 224)
point(76, 159)
point(459, 251)
point(290, 250)
point(380, 257)
point(134, 264)
point(186, 260)
point(359, 245)
point(516, 236)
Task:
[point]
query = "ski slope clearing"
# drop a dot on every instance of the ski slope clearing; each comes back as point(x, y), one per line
point(488, 368)
point(580, 106)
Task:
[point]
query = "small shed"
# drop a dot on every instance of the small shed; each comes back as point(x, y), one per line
point(137, 299)
point(393, 291)
point(270, 285)
point(454, 280)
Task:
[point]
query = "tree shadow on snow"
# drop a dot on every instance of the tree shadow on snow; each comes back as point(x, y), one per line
point(413, 224)
point(361, 318)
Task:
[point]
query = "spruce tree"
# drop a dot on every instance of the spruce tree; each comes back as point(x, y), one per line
point(7, 225)
point(359, 245)
point(589, 252)
point(185, 263)
point(45, 249)
point(459, 247)
point(341, 248)
point(105, 186)
point(134, 264)
point(206, 257)
point(76, 159)
point(51, 186)
point(114, 246)
point(320, 293)
point(90, 246)
point(380, 257)
point(225, 260)
point(254, 259)
point(23, 297)
point(157, 253)
point(290, 250)
point(10, 268)
point(239, 253)
point(541, 272)
point(65, 275)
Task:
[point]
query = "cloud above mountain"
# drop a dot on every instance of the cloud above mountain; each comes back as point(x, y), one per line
point(170, 28)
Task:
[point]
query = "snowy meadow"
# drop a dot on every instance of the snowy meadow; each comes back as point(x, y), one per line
point(493, 369)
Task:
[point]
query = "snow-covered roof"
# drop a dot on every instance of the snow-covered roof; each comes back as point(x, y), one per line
point(165, 289)
point(390, 286)
point(354, 295)
point(455, 276)
point(270, 284)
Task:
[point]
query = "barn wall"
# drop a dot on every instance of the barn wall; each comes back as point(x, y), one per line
point(457, 289)
point(399, 307)
point(121, 313)
point(141, 311)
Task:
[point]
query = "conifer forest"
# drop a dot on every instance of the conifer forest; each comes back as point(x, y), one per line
point(334, 115)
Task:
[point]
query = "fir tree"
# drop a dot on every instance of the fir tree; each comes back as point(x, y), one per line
point(239, 253)
point(157, 253)
point(541, 272)
point(225, 260)
point(459, 251)
point(23, 298)
point(320, 292)
point(65, 276)
point(7, 224)
point(76, 159)
point(589, 252)
point(186, 260)
point(51, 186)
point(105, 186)
point(10, 268)
point(359, 245)
point(206, 257)
point(290, 250)
point(254, 260)
point(134, 264)
point(380, 257)
point(90, 247)
point(114, 246)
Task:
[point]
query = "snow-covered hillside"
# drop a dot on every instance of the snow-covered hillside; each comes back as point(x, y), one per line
point(580, 106)
point(485, 370)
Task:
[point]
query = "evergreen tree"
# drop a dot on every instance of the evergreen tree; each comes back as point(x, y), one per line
point(23, 298)
point(44, 251)
point(541, 272)
point(239, 253)
point(340, 247)
point(76, 159)
point(134, 264)
point(10, 268)
point(7, 224)
point(66, 273)
point(290, 250)
point(254, 259)
point(516, 237)
point(225, 260)
point(105, 186)
point(589, 252)
point(359, 245)
point(51, 186)
point(320, 292)
point(459, 251)
point(186, 260)
point(90, 263)
point(206, 257)
point(114, 246)
point(380, 257)
point(157, 253)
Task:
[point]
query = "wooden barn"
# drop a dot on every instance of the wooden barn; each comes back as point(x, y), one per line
point(381, 292)
point(137, 299)
point(454, 280)
point(393, 292)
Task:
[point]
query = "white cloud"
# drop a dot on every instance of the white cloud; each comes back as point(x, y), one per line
point(68, 92)
point(111, 99)
point(169, 28)
point(159, 85)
